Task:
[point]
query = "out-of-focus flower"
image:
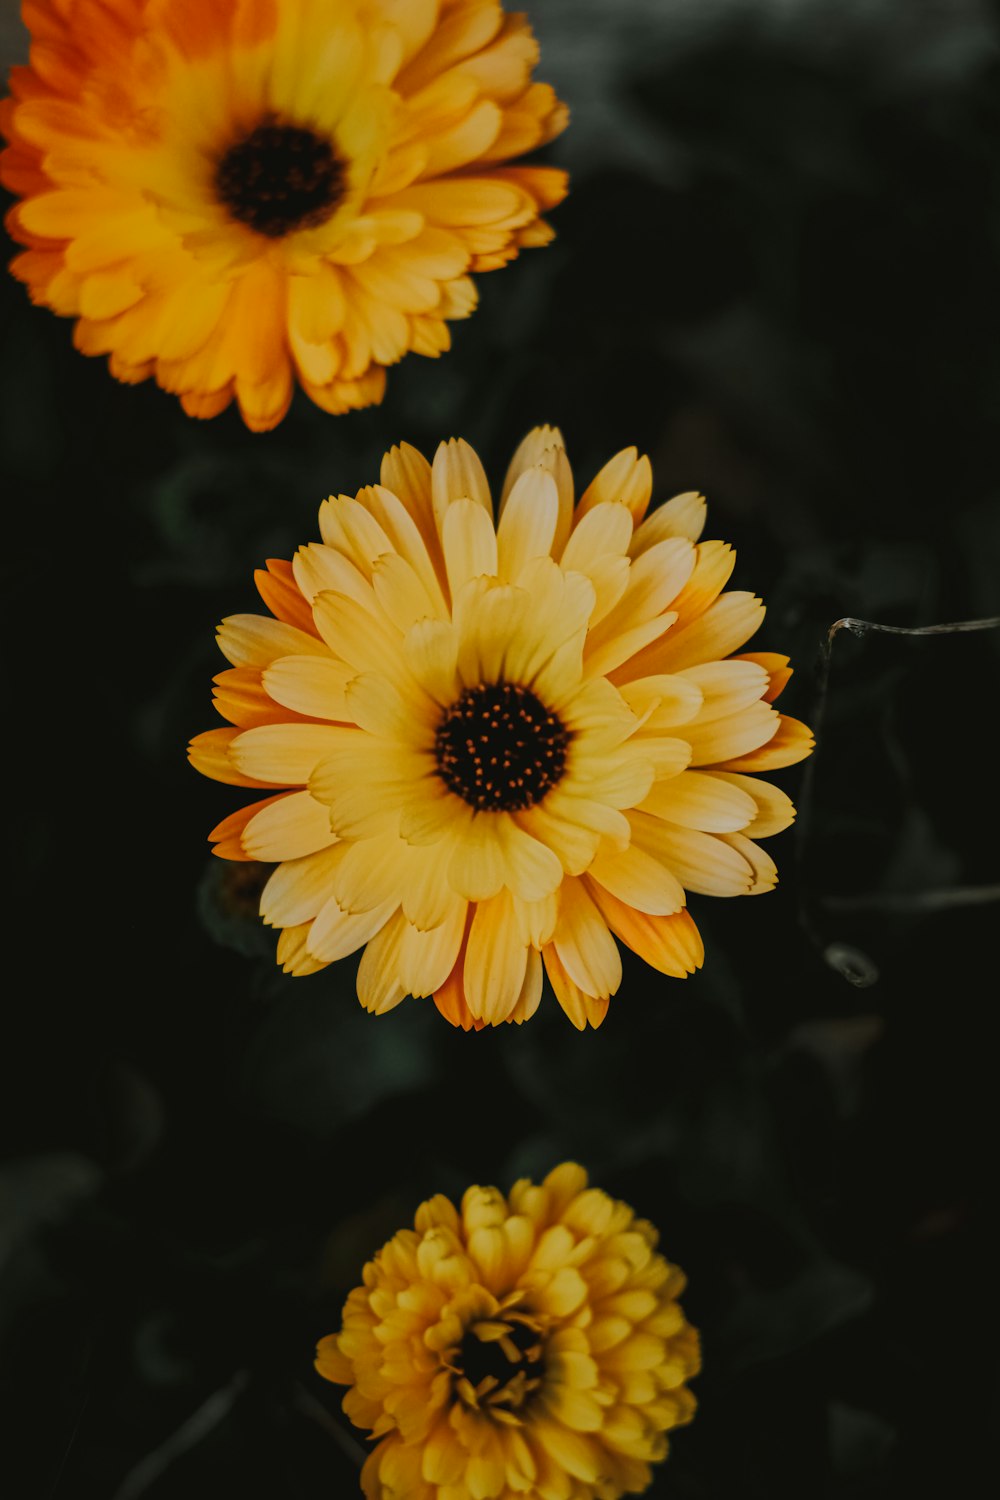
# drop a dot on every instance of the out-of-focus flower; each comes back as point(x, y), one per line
point(229, 195)
point(503, 742)
point(528, 1346)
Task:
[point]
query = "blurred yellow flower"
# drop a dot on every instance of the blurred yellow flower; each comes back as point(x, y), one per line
point(229, 195)
point(530, 1346)
point(503, 742)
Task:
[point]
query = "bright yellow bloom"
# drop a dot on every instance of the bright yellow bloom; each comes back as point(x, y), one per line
point(528, 1348)
point(230, 195)
point(507, 742)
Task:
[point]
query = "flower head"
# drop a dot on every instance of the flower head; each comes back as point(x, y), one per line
point(530, 1346)
point(501, 743)
point(229, 195)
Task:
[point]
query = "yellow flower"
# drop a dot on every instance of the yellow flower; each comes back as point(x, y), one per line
point(505, 742)
point(229, 195)
point(528, 1348)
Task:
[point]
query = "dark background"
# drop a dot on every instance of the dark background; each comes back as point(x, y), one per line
point(779, 273)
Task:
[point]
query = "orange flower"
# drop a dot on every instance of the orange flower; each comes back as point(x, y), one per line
point(505, 743)
point(229, 195)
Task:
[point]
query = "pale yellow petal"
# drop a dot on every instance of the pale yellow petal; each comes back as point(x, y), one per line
point(583, 943)
point(639, 880)
point(725, 739)
point(684, 515)
point(726, 687)
point(458, 474)
point(606, 531)
point(428, 957)
point(257, 640)
point(531, 993)
point(617, 653)
point(478, 867)
point(405, 533)
point(372, 871)
point(335, 933)
point(402, 594)
point(573, 843)
point(544, 448)
point(317, 567)
point(527, 523)
point(774, 809)
point(285, 754)
point(298, 888)
point(380, 988)
point(530, 868)
point(655, 579)
point(626, 479)
point(347, 526)
point(792, 742)
point(431, 653)
point(396, 710)
point(365, 641)
point(763, 866)
point(702, 862)
point(665, 701)
point(288, 828)
point(469, 542)
point(495, 961)
point(312, 685)
point(699, 799)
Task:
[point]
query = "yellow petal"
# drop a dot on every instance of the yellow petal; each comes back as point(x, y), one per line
point(284, 754)
point(722, 629)
point(336, 933)
point(774, 810)
point(639, 880)
point(699, 799)
point(380, 988)
point(528, 522)
point(702, 862)
point(256, 641)
point(626, 479)
point(457, 474)
point(310, 685)
point(671, 945)
point(288, 828)
point(495, 960)
point(726, 739)
point(299, 887)
point(469, 542)
point(583, 943)
point(684, 515)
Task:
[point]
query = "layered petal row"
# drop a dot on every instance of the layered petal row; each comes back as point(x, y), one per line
point(232, 196)
point(496, 745)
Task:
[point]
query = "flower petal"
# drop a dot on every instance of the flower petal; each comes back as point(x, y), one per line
point(528, 522)
point(584, 946)
point(495, 961)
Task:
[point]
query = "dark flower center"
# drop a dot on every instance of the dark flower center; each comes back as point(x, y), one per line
point(511, 1366)
point(499, 748)
point(280, 178)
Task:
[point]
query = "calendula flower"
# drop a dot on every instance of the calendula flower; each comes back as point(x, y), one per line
point(229, 195)
point(530, 1346)
point(500, 743)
